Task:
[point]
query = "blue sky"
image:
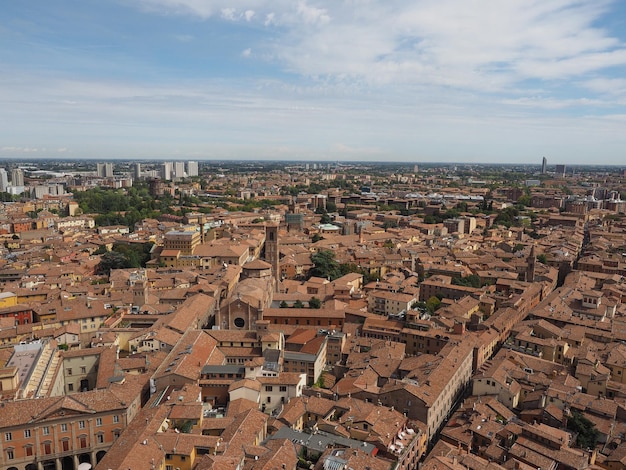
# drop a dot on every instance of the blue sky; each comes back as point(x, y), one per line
point(350, 80)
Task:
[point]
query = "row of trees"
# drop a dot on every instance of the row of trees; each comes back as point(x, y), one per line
point(314, 302)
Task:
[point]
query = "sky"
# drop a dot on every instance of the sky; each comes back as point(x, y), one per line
point(476, 81)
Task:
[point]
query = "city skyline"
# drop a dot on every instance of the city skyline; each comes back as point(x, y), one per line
point(449, 81)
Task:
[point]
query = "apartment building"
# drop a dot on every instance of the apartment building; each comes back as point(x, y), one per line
point(51, 433)
point(389, 303)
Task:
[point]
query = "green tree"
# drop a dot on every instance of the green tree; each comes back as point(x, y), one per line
point(283, 304)
point(325, 265)
point(314, 302)
point(298, 304)
point(111, 260)
point(472, 280)
point(542, 258)
point(325, 219)
point(588, 434)
point(316, 238)
point(525, 201)
point(432, 304)
point(123, 256)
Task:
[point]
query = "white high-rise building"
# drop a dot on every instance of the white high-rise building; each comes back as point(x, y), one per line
point(136, 170)
point(4, 180)
point(166, 171)
point(17, 177)
point(104, 170)
point(192, 168)
point(179, 169)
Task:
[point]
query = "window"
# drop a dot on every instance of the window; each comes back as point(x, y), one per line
point(98, 421)
point(26, 432)
point(69, 371)
point(283, 388)
point(45, 430)
point(268, 388)
point(65, 444)
point(169, 467)
point(269, 399)
point(100, 438)
point(70, 387)
point(116, 419)
point(47, 447)
point(10, 454)
point(83, 370)
point(81, 425)
point(63, 427)
point(83, 441)
point(28, 450)
point(8, 436)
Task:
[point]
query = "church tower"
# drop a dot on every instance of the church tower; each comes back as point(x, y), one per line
point(140, 293)
point(272, 253)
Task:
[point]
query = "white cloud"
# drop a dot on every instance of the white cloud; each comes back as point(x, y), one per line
point(311, 14)
point(19, 150)
point(474, 44)
point(553, 103)
point(269, 19)
point(229, 13)
point(372, 78)
point(608, 86)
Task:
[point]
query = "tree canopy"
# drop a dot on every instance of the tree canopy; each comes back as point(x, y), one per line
point(588, 434)
point(326, 265)
point(124, 256)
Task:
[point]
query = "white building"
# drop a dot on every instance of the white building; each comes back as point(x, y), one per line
point(166, 171)
point(137, 170)
point(17, 177)
point(4, 180)
point(104, 170)
point(179, 170)
point(192, 168)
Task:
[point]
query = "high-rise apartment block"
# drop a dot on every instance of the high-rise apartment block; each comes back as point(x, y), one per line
point(4, 180)
point(104, 170)
point(136, 170)
point(560, 171)
point(166, 171)
point(544, 165)
point(179, 170)
point(17, 177)
point(192, 168)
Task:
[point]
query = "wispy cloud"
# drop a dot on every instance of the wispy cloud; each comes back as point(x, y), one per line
point(378, 79)
point(474, 44)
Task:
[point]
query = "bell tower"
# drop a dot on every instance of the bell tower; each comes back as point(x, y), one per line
point(272, 253)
